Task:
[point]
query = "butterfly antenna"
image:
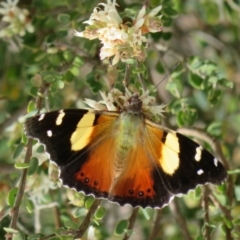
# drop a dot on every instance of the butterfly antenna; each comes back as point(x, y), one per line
point(168, 74)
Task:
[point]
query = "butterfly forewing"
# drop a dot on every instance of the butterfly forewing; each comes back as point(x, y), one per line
point(190, 164)
point(75, 140)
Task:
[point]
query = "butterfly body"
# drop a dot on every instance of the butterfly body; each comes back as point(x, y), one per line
point(122, 155)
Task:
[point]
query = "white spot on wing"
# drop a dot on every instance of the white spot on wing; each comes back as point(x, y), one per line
point(200, 172)
point(198, 154)
point(41, 117)
point(49, 133)
point(60, 117)
point(215, 162)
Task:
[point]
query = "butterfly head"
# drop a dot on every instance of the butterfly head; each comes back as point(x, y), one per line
point(133, 104)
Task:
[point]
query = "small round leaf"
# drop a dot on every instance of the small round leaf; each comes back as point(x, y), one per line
point(12, 196)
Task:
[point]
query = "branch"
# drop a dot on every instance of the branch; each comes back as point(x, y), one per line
point(131, 222)
point(233, 5)
point(22, 184)
point(127, 75)
point(85, 224)
point(141, 79)
point(77, 234)
point(227, 214)
point(180, 219)
point(155, 228)
point(13, 118)
point(205, 205)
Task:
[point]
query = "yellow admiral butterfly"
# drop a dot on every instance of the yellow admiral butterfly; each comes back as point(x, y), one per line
point(122, 155)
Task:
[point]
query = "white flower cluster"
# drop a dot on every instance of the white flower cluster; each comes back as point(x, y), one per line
point(115, 101)
point(17, 19)
point(121, 41)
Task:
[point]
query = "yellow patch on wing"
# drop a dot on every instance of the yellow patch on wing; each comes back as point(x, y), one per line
point(169, 155)
point(166, 153)
point(80, 137)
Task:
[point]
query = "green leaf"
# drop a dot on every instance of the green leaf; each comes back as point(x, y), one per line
point(166, 35)
point(199, 238)
point(180, 118)
point(80, 212)
point(190, 116)
point(29, 205)
point(195, 80)
point(159, 67)
point(213, 80)
point(19, 236)
point(236, 222)
point(18, 150)
point(235, 171)
point(55, 60)
point(33, 166)
point(130, 61)
point(31, 106)
point(68, 76)
point(12, 196)
point(40, 57)
point(140, 69)
point(170, 11)
point(58, 84)
point(214, 96)
point(145, 213)
point(50, 76)
point(121, 226)
point(78, 62)
point(237, 192)
point(63, 18)
point(226, 83)
point(93, 80)
point(175, 88)
point(40, 149)
point(175, 106)
point(235, 234)
point(70, 224)
point(89, 202)
point(228, 223)
point(68, 56)
point(36, 236)
point(33, 91)
point(24, 139)
point(198, 193)
point(21, 165)
point(100, 213)
point(215, 129)
point(167, 21)
point(10, 230)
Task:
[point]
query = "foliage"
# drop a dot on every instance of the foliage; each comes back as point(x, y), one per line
point(202, 37)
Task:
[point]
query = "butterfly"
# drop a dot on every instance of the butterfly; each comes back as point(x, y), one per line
point(122, 155)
